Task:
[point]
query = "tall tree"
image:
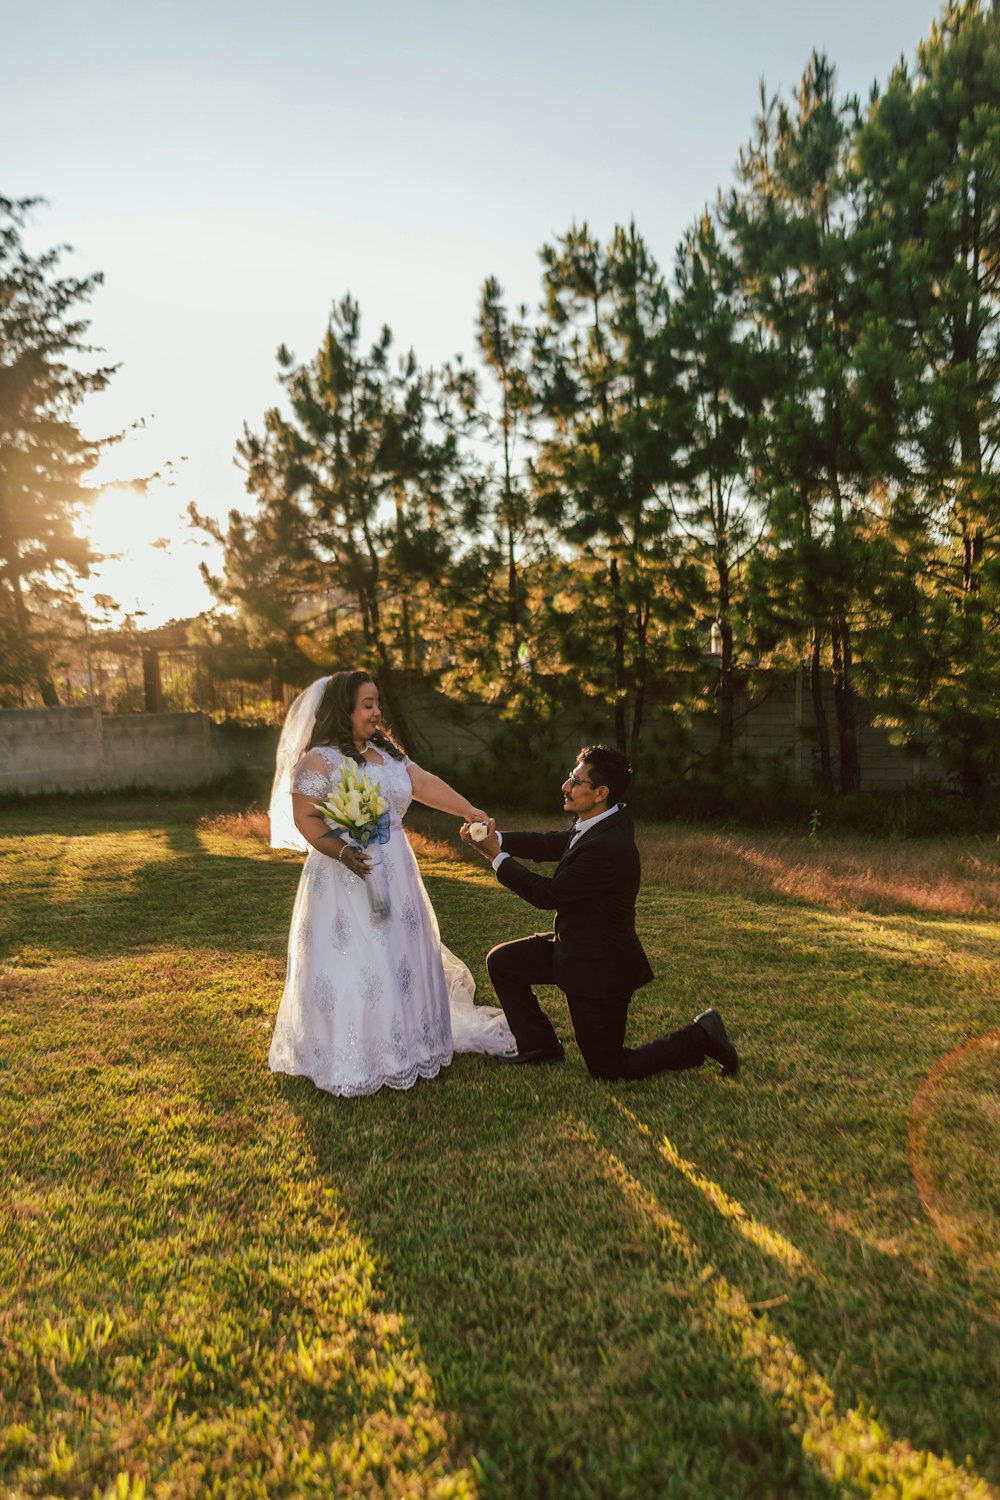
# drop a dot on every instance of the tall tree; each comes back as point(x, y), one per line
point(793, 221)
point(602, 375)
point(931, 151)
point(353, 492)
point(502, 344)
point(44, 458)
point(722, 389)
point(493, 631)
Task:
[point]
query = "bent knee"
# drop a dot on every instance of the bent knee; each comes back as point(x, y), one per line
point(504, 958)
point(494, 959)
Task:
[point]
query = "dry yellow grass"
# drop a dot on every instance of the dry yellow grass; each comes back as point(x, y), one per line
point(948, 877)
point(241, 825)
point(942, 876)
point(255, 825)
point(499, 1284)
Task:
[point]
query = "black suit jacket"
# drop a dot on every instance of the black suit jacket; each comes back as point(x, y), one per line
point(593, 892)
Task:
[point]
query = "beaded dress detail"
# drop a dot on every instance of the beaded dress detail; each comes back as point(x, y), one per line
point(369, 1002)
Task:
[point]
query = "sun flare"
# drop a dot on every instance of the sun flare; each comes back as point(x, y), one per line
point(125, 520)
point(139, 534)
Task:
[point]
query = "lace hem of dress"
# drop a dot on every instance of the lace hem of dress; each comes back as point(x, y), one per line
point(429, 1068)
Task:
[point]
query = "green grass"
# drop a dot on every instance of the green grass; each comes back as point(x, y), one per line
point(500, 1283)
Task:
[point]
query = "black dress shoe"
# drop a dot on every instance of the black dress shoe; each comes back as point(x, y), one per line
point(719, 1048)
point(537, 1055)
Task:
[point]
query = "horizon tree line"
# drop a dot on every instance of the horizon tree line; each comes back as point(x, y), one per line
point(791, 436)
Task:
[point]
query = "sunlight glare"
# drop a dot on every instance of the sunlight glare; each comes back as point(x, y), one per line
point(151, 557)
point(124, 520)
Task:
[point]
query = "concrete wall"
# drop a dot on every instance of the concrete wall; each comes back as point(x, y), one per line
point(781, 720)
point(81, 749)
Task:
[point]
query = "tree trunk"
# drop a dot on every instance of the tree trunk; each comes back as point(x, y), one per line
point(819, 715)
point(966, 352)
point(400, 727)
point(513, 601)
point(513, 609)
point(845, 702)
point(43, 679)
point(727, 696)
point(972, 775)
point(637, 711)
point(406, 624)
point(389, 684)
point(152, 684)
point(726, 689)
point(621, 684)
point(641, 674)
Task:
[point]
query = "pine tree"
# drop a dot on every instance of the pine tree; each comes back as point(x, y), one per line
point(794, 224)
point(44, 458)
point(722, 389)
point(602, 373)
point(490, 630)
point(931, 151)
point(353, 504)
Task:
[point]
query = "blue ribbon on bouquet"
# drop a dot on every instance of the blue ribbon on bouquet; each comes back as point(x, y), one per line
point(381, 834)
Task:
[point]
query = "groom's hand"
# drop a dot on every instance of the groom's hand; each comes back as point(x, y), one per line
point(488, 847)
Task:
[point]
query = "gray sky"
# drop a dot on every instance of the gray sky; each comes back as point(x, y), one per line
point(234, 169)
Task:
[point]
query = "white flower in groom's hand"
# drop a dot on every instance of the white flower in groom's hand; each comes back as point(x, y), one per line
point(478, 831)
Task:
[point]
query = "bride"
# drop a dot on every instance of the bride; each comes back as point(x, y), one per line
point(371, 996)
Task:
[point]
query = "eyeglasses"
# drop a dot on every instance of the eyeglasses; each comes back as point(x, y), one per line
point(576, 780)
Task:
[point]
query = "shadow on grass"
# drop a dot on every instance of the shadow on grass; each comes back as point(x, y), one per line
point(863, 1308)
point(592, 1311)
point(164, 888)
point(177, 1271)
point(484, 1214)
point(561, 1333)
point(552, 1261)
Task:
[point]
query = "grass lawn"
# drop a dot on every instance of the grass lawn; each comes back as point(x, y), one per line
point(507, 1283)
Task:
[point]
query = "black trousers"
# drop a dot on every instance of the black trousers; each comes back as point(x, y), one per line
point(599, 1025)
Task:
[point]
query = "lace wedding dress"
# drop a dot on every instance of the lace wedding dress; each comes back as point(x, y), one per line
point(372, 1001)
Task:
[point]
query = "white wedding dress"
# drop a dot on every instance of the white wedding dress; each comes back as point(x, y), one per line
point(372, 1001)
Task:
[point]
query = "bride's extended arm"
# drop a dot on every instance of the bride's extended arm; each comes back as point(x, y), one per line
point(433, 792)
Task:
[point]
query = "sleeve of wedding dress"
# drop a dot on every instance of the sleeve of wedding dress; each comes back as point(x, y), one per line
point(311, 776)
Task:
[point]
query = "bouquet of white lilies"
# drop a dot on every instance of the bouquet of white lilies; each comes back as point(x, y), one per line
point(358, 808)
point(355, 805)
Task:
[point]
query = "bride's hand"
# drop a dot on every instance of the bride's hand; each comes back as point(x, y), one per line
point(355, 860)
point(477, 815)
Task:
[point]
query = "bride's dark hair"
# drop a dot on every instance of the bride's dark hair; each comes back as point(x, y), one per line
point(333, 718)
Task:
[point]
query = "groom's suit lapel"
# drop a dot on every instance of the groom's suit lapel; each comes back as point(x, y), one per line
point(605, 826)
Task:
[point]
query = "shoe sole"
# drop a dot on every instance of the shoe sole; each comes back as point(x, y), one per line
point(711, 1022)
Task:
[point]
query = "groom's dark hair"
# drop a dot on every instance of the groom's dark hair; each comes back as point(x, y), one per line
point(607, 768)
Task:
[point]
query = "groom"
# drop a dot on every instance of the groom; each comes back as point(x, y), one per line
point(593, 953)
